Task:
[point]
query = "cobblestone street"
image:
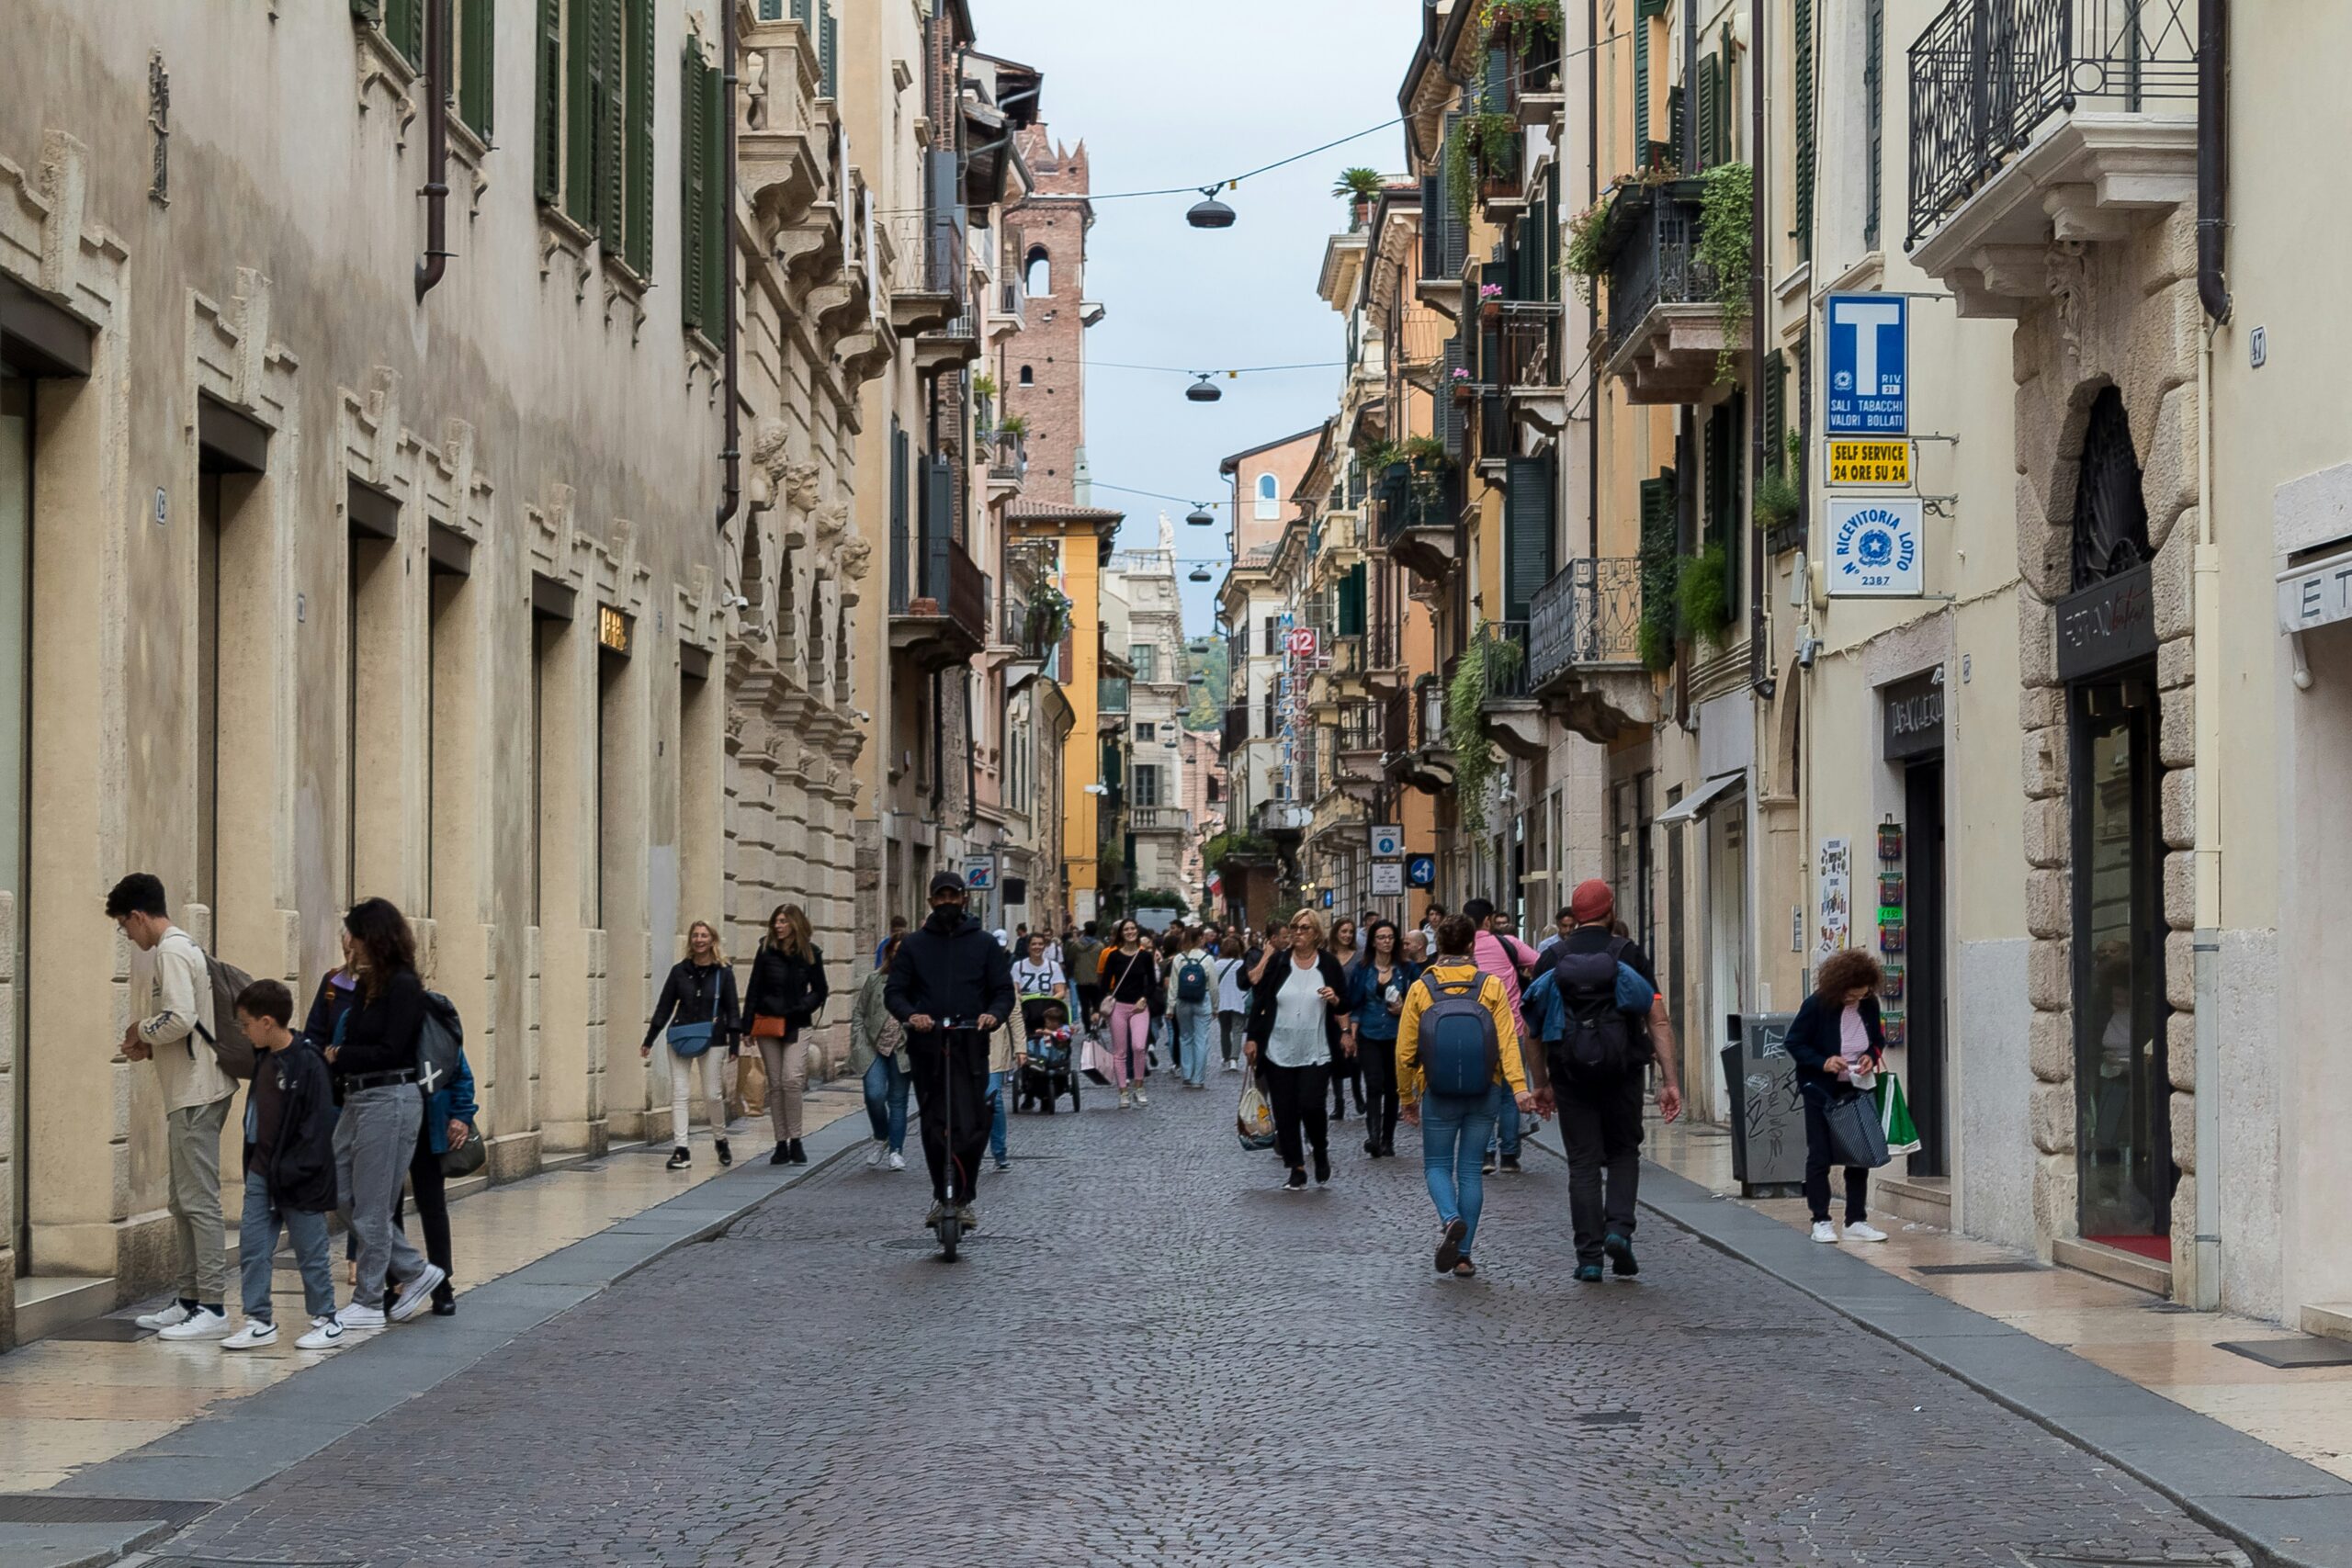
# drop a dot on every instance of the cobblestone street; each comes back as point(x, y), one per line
point(1149, 1355)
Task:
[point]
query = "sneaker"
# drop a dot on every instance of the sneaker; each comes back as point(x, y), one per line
point(783, 1155)
point(1449, 1248)
point(1863, 1230)
point(1322, 1167)
point(1823, 1231)
point(326, 1334)
point(256, 1333)
point(679, 1159)
point(416, 1292)
point(358, 1317)
point(967, 1216)
point(1510, 1163)
point(1589, 1273)
point(938, 1213)
point(1126, 1101)
point(1620, 1249)
point(1140, 1099)
point(166, 1317)
point(204, 1323)
point(897, 1160)
point(1002, 1163)
point(726, 1155)
point(1489, 1166)
point(881, 1151)
point(1295, 1182)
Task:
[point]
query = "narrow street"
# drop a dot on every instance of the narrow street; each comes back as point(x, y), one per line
point(1151, 1356)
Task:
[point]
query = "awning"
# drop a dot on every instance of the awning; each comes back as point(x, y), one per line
point(1694, 804)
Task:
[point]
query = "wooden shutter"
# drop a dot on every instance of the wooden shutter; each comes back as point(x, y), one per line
point(899, 577)
point(1874, 114)
point(829, 49)
point(771, 10)
point(403, 24)
point(1661, 553)
point(585, 48)
point(1711, 94)
point(547, 138)
point(1715, 474)
point(368, 11)
point(612, 130)
point(638, 230)
point(1527, 534)
point(1499, 95)
point(718, 214)
point(1801, 24)
point(1776, 410)
point(693, 224)
point(1449, 412)
point(475, 76)
point(1454, 247)
point(1350, 616)
point(1642, 88)
point(1432, 203)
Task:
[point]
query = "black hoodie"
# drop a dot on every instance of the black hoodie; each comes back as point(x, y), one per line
point(950, 968)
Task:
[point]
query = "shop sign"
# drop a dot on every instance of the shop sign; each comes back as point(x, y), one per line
point(1870, 463)
point(1913, 718)
point(2319, 594)
point(1874, 549)
point(2107, 625)
point(1870, 341)
point(613, 629)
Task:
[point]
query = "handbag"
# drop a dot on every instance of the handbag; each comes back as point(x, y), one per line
point(463, 1159)
point(1253, 1120)
point(1856, 1138)
point(688, 1041)
point(767, 1026)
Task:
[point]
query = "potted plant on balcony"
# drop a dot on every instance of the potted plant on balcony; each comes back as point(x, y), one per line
point(1359, 187)
point(1490, 302)
point(1013, 424)
point(1484, 664)
point(1586, 256)
point(1520, 21)
point(1777, 499)
point(1727, 207)
point(1464, 388)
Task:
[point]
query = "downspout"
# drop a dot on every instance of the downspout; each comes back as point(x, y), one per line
point(2212, 292)
point(731, 454)
point(435, 261)
point(1591, 200)
point(1761, 676)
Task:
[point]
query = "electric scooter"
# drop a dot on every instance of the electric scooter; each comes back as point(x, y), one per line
point(947, 1228)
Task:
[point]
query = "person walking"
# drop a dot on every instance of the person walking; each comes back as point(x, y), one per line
point(697, 1002)
point(1344, 1066)
point(1191, 996)
point(1083, 964)
point(448, 1123)
point(1458, 1057)
point(1232, 997)
point(882, 948)
point(172, 1027)
point(1038, 982)
point(289, 1171)
point(1376, 985)
point(877, 1046)
point(1293, 1036)
point(951, 985)
point(1508, 959)
point(1601, 1110)
point(786, 992)
point(1839, 1043)
point(1130, 978)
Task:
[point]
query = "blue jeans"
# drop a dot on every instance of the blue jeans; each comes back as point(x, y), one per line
point(1504, 1139)
point(1194, 1021)
point(886, 1100)
point(996, 1116)
point(1454, 1131)
point(257, 1249)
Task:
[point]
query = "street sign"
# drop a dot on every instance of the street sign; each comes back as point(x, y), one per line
point(1870, 337)
point(1299, 641)
point(1874, 548)
point(1870, 463)
point(1421, 871)
point(1388, 876)
point(1387, 841)
point(979, 873)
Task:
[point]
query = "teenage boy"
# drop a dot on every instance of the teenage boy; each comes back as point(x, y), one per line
point(171, 1000)
point(289, 1171)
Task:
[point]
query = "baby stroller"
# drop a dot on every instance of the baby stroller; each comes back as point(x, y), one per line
point(1051, 1070)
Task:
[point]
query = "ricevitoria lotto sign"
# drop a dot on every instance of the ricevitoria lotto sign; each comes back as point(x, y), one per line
point(1875, 549)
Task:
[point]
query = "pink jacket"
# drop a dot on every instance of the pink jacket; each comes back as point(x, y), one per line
point(1504, 958)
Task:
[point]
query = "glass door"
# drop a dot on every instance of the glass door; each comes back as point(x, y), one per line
point(2123, 1121)
point(16, 671)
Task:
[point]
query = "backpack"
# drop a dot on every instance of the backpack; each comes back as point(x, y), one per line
point(230, 1047)
point(1192, 982)
point(438, 1044)
point(1598, 1044)
point(1458, 1048)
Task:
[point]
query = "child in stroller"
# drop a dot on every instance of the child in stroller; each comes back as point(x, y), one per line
point(1048, 1070)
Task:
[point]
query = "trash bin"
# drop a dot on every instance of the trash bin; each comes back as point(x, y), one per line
point(1767, 1112)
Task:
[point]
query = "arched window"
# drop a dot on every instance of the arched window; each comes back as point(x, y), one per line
point(1037, 275)
point(1028, 377)
point(2110, 513)
point(1270, 499)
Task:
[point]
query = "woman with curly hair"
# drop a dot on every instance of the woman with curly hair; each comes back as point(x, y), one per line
point(1838, 1047)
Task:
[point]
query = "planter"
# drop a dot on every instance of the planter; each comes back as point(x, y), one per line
point(922, 606)
point(1499, 190)
point(1463, 391)
point(1490, 310)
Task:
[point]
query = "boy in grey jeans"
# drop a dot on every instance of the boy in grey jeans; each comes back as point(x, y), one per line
point(289, 1171)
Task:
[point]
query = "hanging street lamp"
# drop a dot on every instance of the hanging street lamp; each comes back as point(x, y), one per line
point(1203, 390)
point(1209, 212)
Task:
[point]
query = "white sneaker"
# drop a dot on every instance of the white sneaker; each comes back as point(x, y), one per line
point(256, 1333)
point(1140, 1099)
point(165, 1318)
point(1861, 1231)
point(201, 1323)
point(874, 1159)
point(897, 1160)
point(416, 1294)
point(1825, 1232)
point(327, 1333)
point(1126, 1101)
point(355, 1316)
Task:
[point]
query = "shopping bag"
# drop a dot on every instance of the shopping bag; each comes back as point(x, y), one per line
point(1856, 1139)
point(1254, 1119)
point(1094, 1062)
point(752, 1080)
point(1894, 1116)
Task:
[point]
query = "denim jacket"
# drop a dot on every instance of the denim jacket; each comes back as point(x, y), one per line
point(455, 1102)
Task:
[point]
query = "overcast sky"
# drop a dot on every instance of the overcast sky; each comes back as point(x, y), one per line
point(1182, 95)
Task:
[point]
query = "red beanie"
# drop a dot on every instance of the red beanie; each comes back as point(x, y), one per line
point(1591, 903)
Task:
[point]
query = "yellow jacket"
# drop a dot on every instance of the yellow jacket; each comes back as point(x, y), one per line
point(1408, 1027)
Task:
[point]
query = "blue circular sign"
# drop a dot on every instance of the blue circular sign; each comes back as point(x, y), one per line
point(1421, 871)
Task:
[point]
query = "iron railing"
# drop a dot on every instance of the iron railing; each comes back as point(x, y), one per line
point(930, 248)
point(1655, 260)
point(1590, 613)
point(1985, 74)
point(1363, 728)
point(1416, 501)
point(1008, 456)
point(1506, 667)
point(1530, 335)
point(1013, 301)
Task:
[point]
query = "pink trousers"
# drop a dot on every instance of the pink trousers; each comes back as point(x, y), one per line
point(1130, 1032)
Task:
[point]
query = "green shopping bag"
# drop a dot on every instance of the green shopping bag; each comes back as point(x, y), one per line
point(1894, 1116)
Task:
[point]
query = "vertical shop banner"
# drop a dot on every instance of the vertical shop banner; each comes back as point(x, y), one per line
point(1835, 875)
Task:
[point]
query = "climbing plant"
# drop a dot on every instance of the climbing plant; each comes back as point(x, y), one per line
point(1486, 662)
point(1726, 246)
point(1702, 595)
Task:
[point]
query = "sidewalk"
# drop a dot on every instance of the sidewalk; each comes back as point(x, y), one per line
point(84, 1396)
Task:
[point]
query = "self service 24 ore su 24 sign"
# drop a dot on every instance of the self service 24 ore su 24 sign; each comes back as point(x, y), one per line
point(1874, 548)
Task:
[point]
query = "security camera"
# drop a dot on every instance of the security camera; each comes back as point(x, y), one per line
point(739, 602)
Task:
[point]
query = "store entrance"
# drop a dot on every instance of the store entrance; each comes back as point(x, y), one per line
point(1923, 1005)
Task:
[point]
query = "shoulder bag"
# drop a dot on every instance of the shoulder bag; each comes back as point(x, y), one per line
point(688, 1041)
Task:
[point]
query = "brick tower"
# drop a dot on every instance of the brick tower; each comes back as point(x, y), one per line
point(1046, 368)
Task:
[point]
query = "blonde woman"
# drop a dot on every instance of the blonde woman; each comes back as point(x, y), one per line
point(1292, 1037)
point(786, 992)
point(697, 1001)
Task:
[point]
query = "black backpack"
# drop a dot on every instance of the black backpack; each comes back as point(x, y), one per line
point(1599, 1044)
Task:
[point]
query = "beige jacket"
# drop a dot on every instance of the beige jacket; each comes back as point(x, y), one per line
point(171, 994)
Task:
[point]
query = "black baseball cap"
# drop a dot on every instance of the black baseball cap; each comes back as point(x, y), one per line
point(946, 882)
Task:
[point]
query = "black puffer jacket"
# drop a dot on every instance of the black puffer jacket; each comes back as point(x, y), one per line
point(698, 994)
point(784, 987)
point(301, 1174)
point(951, 967)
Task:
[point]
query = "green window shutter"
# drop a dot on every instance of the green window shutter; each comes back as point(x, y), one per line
point(1527, 535)
point(1715, 475)
point(1776, 410)
point(1350, 616)
point(612, 130)
point(475, 77)
point(1659, 557)
point(771, 10)
point(717, 214)
point(637, 231)
point(583, 93)
point(1800, 25)
point(1874, 113)
point(800, 11)
point(1449, 412)
point(692, 223)
point(547, 135)
point(1641, 89)
point(1498, 95)
point(1710, 92)
point(404, 25)
point(829, 50)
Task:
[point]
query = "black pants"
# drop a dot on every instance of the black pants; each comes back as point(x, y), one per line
point(1229, 1025)
point(951, 1082)
point(1346, 1070)
point(1818, 1158)
point(432, 1195)
point(1600, 1124)
point(1299, 1121)
point(1378, 1060)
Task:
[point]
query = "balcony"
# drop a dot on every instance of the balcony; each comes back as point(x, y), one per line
point(1415, 750)
point(939, 612)
point(1584, 648)
point(1362, 741)
point(784, 144)
point(948, 347)
point(1011, 310)
point(1112, 696)
point(2043, 121)
point(1512, 717)
point(1281, 820)
point(1666, 327)
point(1530, 372)
point(928, 290)
point(1420, 520)
point(1158, 820)
point(1007, 453)
point(1537, 90)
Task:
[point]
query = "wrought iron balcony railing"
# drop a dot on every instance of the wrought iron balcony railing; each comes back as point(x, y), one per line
point(1528, 332)
point(1363, 728)
point(1417, 501)
point(1656, 256)
point(1985, 74)
point(1506, 666)
point(1589, 614)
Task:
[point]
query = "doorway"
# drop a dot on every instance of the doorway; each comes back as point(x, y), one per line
point(1924, 983)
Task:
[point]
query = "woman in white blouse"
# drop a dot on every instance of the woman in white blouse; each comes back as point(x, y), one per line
point(1292, 1037)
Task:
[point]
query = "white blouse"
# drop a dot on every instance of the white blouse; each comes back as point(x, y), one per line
point(1298, 1039)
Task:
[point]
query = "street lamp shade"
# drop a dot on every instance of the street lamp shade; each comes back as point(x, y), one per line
point(1200, 574)
point(1200, 516)
point(1203, 392)
point(1209, 212)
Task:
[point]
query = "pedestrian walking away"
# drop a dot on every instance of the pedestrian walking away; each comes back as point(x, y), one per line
point(696, 1020)
point(1376, 986)
point(1083, 964)
point(1293, 1035)
point(1457, 1059)
point(1508, 959)
point(1839, 1044)
point(1345, 1069)
point(1130, 978)
point(1616, 1025)
point(878, 1045)
point(786, 992)
point(1232, 998)
point(289, 1172)
point(172, 1021)
point(951, 985)
point(1191, 1002)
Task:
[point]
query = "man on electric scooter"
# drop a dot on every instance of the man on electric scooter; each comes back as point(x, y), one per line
point(950, 971)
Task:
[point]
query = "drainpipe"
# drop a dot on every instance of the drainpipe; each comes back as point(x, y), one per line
point(731, 455)
point(1761, 675)
point(435, 261)
point(2213, 190)
point(1592, 199)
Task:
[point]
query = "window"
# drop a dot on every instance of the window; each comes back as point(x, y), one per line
point(1145, 657)
point(1028, 377)
point(1038, 278)
point(703, 198)
point(1270, 499)
point(473, 34)
point(1145, 730)
point(1146, 791)
point(592, 146)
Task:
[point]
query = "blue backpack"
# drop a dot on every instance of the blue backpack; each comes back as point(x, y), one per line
point(1192, 982)
point(1458, 1049)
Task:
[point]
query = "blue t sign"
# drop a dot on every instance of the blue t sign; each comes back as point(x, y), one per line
point(1869, 338)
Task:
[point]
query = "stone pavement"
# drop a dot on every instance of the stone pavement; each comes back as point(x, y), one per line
point(1151, 1356)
